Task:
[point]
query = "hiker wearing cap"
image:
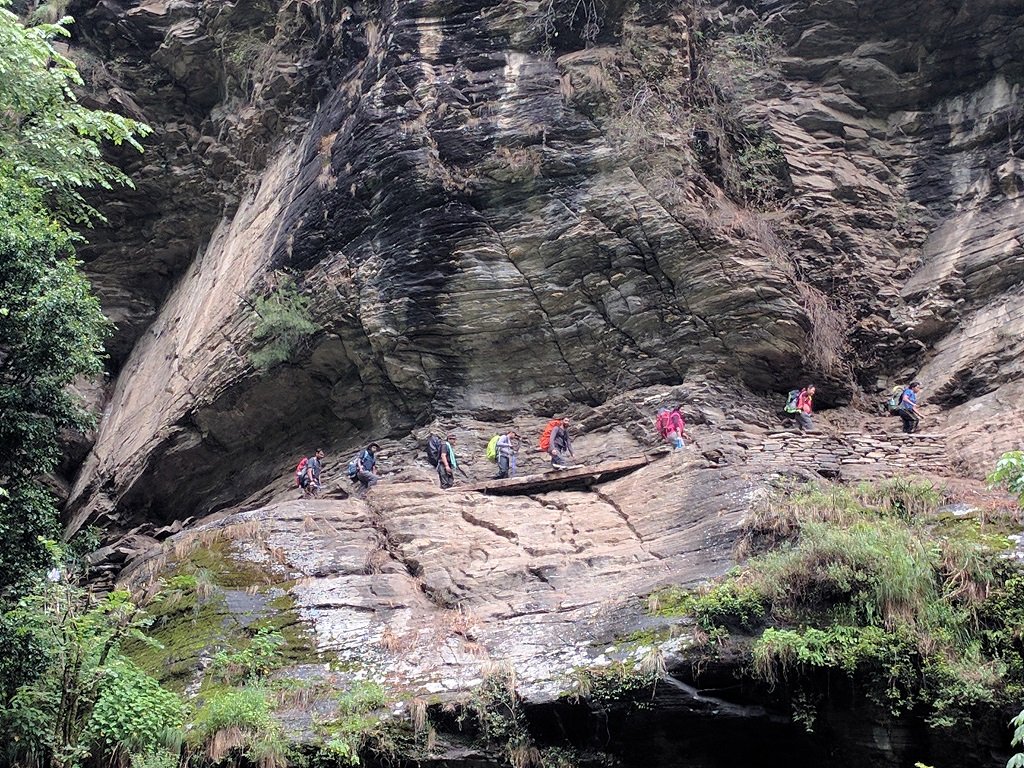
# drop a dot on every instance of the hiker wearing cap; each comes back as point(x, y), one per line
point(908, 412)
point(366, 467)
point(507, 447)
point(560, 444)
point(447, 464)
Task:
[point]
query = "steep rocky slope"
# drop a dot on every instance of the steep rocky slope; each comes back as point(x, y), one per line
point(501, 208)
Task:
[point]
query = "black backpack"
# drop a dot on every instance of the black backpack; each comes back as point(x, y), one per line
point(434, 444)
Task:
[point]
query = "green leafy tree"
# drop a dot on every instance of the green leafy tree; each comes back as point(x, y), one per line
point(51, 327)
point(51, 331)
point(47, 138)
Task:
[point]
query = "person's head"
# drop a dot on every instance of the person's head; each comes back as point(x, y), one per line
point(373, 448)
point(915, 385)
point(450, 437)
point(566, 421)
point(513, 435)
point(809, 389)
point(319, 453)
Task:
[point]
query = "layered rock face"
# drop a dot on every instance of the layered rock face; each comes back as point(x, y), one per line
point(510, 208)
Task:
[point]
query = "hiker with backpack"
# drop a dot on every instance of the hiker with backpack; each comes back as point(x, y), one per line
point(560, 444)
point(307, 474)
point(447, 463)
point(908, 412)
point(671, 427)
point(505, 449)
point(800, 404)
point(365, 466)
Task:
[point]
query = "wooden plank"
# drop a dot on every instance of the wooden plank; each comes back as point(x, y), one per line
point(581, 477)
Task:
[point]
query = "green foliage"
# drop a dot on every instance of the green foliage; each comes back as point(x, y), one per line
point(496, 711)
point(1009, 474)
point(861, 585)
point(363, 696)
point(760, 164)
point(283, 322)
point(81, 696)
point(357, 724)
point(245, 709)
point(48, 140)
point(615, 684)
point(133, 714)
point(731, 605)
point(259, 657)
point(51, 331)
point(1017, 723)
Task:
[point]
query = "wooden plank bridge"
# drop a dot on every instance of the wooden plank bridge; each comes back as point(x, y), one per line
point(562, 479)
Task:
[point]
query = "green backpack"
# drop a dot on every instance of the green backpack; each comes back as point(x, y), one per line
point(492, 448)
point(895, 398)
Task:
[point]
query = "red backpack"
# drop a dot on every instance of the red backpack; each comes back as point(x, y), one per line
point(663, 423)
point(300, 469)
point(545, 438)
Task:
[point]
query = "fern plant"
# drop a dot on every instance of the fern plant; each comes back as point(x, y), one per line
point(282, 325)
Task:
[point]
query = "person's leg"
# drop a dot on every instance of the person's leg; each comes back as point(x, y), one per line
point(915, 422)
point(803, 421)
point(905, 417)
point(502, 467)
point(557, 460)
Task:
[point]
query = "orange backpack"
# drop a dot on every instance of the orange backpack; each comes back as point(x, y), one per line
point(545, 438)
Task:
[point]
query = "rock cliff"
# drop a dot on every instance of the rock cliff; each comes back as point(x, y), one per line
point(498, 211)
point(516, 207)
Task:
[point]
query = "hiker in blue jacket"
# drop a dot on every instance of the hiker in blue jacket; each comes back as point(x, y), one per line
point(366, 471)
point(908, 412)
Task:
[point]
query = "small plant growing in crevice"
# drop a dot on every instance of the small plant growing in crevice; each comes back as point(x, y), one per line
point(496, 710)
point(283, 322)
point(357, 725)
point(253, 662)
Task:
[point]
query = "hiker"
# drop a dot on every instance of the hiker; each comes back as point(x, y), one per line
point(310, 479)
point(560, 444)
point(671, 426)
point(506, 448)
point(447, 463)
point(366, 465)
point(677, 428)
point(908, 412)
point(804, 408)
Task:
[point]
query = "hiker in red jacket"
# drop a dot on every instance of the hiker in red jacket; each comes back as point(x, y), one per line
point(804, 408)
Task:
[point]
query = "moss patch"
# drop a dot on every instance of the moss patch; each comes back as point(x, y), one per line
point(193, 615)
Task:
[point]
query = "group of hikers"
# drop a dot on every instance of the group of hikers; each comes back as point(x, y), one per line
point(902, 402)
point(556, 441)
